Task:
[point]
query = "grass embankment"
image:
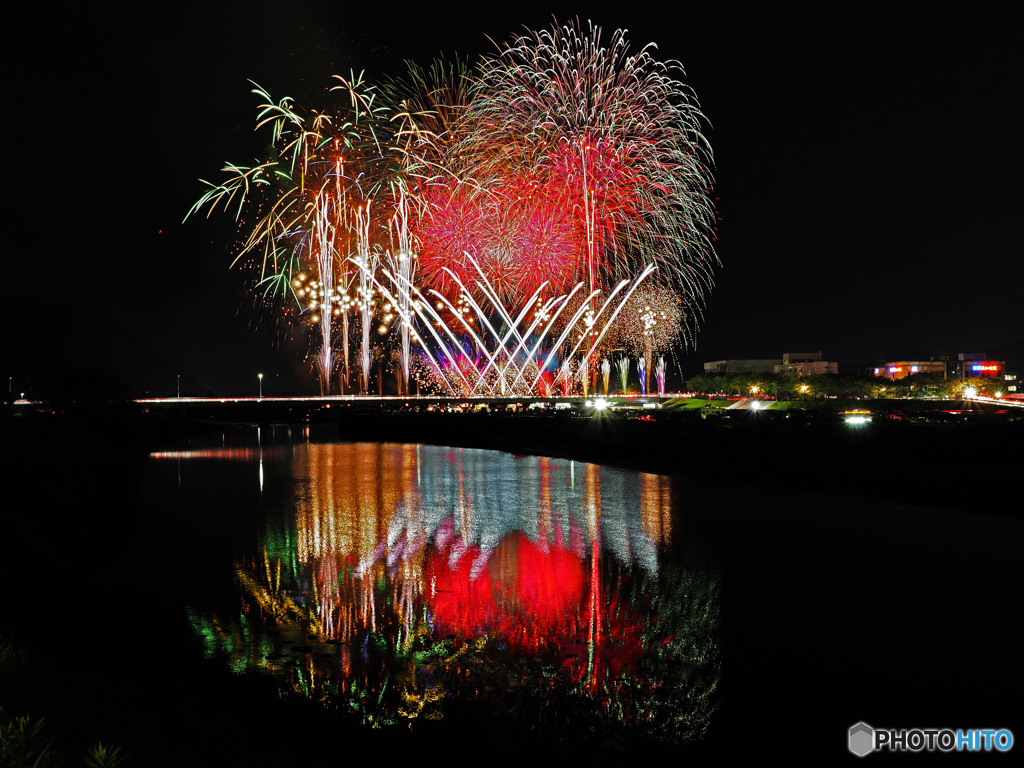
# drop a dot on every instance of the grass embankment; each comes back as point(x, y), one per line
point(685, 403)
point(874, 406)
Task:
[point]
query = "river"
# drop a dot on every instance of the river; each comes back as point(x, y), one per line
point(259, 595)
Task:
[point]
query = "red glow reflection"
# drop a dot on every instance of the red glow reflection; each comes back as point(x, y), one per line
point(527, 595)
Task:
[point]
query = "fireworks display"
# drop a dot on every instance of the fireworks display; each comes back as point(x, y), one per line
point(514, 222)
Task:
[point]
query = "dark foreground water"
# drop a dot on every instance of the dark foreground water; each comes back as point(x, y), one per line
point(277, 597)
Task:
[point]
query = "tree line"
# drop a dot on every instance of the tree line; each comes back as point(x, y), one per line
point(926, 386)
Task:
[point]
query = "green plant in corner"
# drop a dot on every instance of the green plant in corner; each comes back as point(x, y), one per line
point(100, 756)
point(22, 744)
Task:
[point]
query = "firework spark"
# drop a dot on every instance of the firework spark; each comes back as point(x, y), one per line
point(660, 372)
point(623, 366)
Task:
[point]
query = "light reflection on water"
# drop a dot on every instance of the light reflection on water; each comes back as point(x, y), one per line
point(397, 582)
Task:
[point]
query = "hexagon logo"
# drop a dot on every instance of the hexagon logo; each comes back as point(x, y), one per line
point(862, 739)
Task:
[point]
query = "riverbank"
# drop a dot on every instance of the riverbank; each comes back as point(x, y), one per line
point(911, 452)
point(923, 463)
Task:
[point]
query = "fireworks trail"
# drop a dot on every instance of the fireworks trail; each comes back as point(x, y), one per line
point(401, 260)
point(564, 379)
point(623, 365)
point(511, 363)
point(326, 258)
point(367, 260)
point(660, 372)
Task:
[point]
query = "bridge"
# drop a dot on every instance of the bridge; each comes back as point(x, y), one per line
point(265, 410)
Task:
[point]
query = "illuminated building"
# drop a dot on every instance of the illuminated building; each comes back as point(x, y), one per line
point(977, 364)
point(968, 365)
point(900, 369)
point(1012, 387)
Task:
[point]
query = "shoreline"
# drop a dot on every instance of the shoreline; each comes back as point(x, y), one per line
point(969, 464)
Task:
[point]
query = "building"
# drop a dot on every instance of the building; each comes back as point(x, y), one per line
point(1012, 385)
point(900, 369)
point(966, 366)
point(973, 364)
point(804, 364)
point(792, 364)
point(740, 366)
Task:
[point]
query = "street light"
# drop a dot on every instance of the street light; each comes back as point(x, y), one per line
point(261, 385)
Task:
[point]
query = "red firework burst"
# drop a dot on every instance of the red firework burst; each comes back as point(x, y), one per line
point(517, 234)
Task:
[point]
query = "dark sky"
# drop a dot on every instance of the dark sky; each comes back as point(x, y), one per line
point(867, 175)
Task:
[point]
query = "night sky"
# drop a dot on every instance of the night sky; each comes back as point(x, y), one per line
point(867, 174)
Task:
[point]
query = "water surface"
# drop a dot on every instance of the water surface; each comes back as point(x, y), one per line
point(398, 584)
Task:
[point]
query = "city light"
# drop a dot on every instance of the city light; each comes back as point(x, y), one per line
point(857, 417)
